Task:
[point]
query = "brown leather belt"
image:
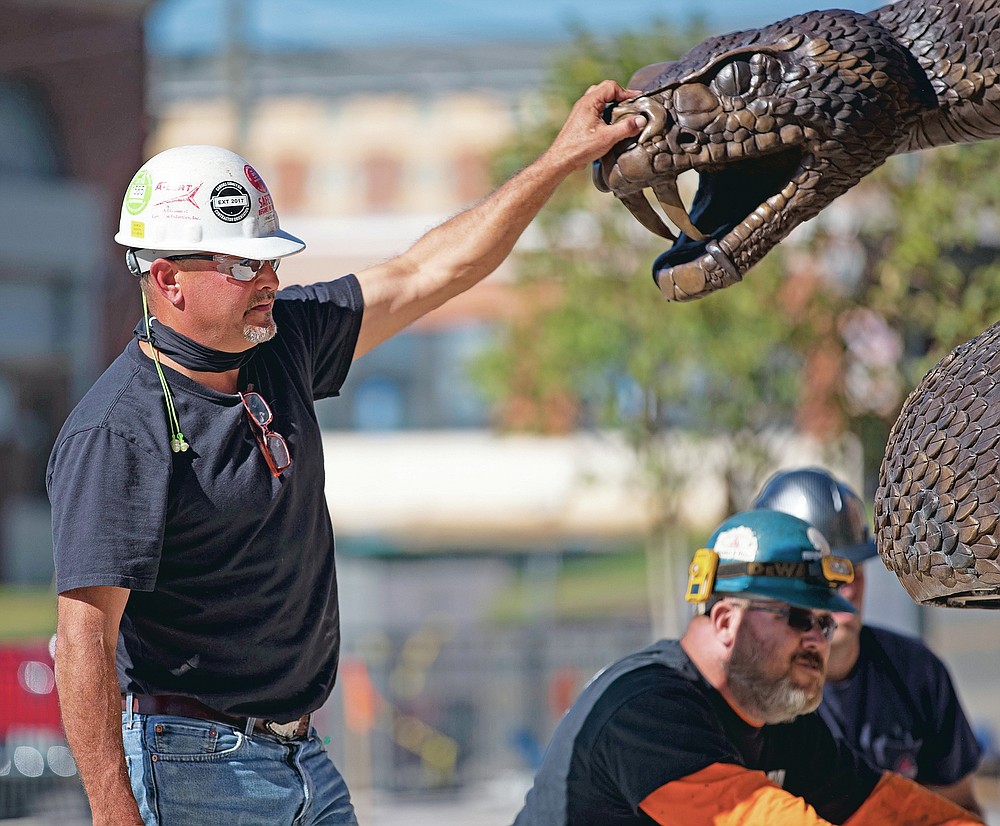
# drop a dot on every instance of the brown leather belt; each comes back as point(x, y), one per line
point(174, 705)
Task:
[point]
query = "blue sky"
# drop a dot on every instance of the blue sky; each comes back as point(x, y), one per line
point(183, 25)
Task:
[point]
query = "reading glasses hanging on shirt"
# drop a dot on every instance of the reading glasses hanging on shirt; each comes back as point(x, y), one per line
point(272, 445)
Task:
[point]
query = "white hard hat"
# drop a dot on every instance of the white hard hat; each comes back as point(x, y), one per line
point(201, 199)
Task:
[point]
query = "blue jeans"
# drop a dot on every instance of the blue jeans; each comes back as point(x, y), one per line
point(190, 772)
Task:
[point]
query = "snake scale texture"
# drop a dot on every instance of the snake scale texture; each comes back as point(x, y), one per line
point(936, 508)
point(778, 122)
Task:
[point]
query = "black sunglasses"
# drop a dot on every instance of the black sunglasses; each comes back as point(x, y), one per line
point(800, 619)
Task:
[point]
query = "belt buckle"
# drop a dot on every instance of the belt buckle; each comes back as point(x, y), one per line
point(284, 731)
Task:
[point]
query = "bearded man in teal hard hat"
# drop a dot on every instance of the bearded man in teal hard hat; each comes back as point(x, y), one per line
point(717, 727)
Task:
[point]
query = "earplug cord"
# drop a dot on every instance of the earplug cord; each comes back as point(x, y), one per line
point(178, 444)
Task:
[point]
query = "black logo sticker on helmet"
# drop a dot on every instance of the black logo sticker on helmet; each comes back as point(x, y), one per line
point(230, 202)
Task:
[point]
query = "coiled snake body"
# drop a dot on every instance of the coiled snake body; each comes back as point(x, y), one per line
point(778, 122)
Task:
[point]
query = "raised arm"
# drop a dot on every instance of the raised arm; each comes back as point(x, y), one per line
point(90, 699)
point(465, 249)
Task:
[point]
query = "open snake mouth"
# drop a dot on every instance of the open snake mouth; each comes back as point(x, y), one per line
point(726, 198)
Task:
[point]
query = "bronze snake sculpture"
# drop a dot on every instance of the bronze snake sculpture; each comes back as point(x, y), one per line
point(781, 120)
point(778, 122)
point(937, 508)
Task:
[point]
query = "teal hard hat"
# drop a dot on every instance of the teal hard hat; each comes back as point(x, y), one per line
point(768, 554)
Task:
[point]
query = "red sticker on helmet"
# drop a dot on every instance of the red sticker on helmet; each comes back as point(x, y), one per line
point(254, 178)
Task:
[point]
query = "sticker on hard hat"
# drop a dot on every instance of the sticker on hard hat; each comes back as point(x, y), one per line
point(139, 192)
point(737, 543)
point(177, 197)
point(230, 202)
point(254, 178)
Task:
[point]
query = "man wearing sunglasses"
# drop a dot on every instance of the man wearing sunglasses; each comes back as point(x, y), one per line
point(887, 694)
point(718, 728)
point(198, 622)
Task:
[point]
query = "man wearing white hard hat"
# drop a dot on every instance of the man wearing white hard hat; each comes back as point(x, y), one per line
point(198, 619)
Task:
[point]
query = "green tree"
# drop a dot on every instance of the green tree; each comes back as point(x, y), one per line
point(922, 275)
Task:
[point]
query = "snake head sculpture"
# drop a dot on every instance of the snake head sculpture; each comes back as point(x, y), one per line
point(779, 121)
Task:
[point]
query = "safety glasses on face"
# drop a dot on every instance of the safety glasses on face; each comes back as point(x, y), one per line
point(800, 619)
point(271, 444)
point(242, 269)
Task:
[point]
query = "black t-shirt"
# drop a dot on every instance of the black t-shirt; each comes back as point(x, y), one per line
point(233, 587)
point(650, 719)
point(899, 708)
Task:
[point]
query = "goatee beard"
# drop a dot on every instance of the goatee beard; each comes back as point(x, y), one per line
point(258, 335)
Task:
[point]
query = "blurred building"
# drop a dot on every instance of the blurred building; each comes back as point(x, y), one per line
point(72, 128)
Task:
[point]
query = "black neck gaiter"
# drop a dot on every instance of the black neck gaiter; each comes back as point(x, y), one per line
point(190, 353)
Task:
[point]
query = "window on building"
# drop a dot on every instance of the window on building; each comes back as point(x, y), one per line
point(420, 379)
point(290, 191)
point(472, 177)
point(35, 365)
point(27, 137)
point(383, 182)
point(378, 404)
